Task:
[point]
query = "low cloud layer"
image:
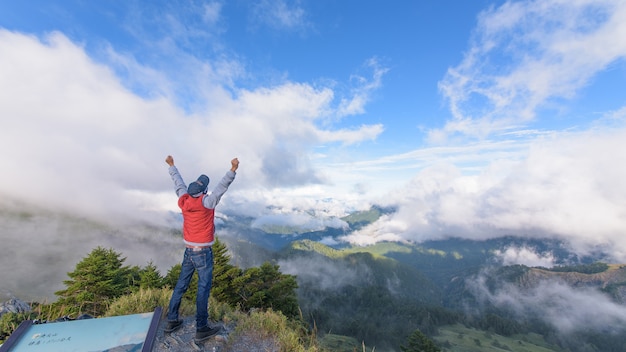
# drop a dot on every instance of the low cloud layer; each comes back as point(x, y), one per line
point(299, 222)
point(40, 247)
point(525, 255)
point(566, 188)
point(566, 309)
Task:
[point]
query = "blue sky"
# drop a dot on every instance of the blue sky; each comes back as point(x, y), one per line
point(473, 118)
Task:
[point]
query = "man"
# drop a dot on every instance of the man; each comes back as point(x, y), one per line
point(198, 210)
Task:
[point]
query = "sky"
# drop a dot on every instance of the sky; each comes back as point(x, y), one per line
point(474, 119)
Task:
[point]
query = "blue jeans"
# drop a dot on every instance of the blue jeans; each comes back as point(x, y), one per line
point(202, 261)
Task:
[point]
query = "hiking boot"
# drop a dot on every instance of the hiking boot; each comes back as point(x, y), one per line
point(173, 325)
point(206, 333)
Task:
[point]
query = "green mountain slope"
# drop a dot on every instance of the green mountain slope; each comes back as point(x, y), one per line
point(373, 298)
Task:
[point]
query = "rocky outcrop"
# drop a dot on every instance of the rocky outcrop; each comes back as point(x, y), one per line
point(14, 305)
point(182, 340)
point(612, 281)
point(616, 274)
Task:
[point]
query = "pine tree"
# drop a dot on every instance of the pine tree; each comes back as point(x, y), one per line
point(97, 279)
point(224, 275)
point(418, 342)
point(150, 277)
point(267, 287)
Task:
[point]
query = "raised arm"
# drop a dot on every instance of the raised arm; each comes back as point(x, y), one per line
point(179, 184)
point(212, 199)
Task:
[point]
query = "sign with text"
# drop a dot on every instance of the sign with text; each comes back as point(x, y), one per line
point(134, 332)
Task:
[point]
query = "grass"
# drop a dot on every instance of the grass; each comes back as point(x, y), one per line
point(146, 300)
point(270, 329)
point(339, 343)
point(459, 338)
point(260, 327)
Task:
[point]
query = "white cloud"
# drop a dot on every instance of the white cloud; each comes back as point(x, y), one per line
point(525, 256)
point(297, 221)
point(212, 12)
point(78, 140)
point(567, 309)
point(280, 14)
point(567, 187)
point(363, 89)
point(324, 273)
point(526, 55)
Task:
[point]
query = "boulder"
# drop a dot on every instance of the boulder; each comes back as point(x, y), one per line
point(14, 305)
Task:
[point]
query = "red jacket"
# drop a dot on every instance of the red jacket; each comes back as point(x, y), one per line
point(199, 213)
point(198, 225)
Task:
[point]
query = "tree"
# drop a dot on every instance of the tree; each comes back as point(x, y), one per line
point(418, 342)
point(267, 287)
point(224, 275)
point(150, 277)
point(257, 287)
point(97, 279)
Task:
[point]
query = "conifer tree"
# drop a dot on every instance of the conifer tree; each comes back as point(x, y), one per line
point(418, 342)
point(150, 277)
point(97, 279)
point(224, 275)
point(267, 287)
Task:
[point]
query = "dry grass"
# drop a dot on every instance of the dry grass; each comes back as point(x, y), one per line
point(146, 300)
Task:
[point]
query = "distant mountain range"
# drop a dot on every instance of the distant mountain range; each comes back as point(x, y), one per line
point(380, 293)
point(377, 294)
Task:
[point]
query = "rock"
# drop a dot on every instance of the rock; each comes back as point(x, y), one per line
point(14, 305)
point(182, 340)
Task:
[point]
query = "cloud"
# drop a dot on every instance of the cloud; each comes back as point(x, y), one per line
point(567, 187)
point(565, 308)
point(280, 15)
point(212, 12)
point(298, 222)
point(528, 55)
point(84, 149)
point(325, 273)
point(80, 140)
point(363, 89)
point(525, 255)
point(41, 246)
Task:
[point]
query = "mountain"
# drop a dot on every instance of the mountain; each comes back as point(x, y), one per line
point(377, 294)
point(380, 294)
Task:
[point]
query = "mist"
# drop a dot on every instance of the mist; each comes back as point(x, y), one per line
point(325, 274)
point(44, 246)
point(565, 308)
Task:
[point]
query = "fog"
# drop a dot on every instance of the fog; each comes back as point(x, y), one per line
point(44, 246)
point(565, 308)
